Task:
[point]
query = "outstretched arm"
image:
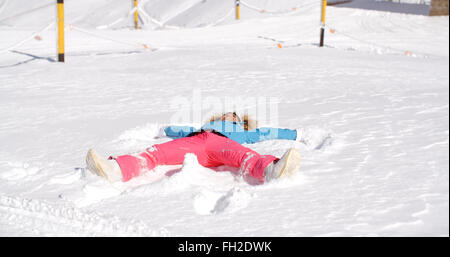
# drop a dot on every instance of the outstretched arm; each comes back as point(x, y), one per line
point(277, 133)
point(262, 134)
point(178, 131)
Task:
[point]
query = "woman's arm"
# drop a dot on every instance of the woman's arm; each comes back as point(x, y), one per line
point(178, 131)
point(262, 134)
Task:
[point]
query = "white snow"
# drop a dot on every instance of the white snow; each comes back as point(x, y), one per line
point(379, 89)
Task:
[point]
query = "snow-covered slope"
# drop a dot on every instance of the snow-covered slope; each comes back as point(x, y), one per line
point(379, 88)
point(116, 14)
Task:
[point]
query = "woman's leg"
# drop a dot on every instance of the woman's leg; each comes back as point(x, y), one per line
point(169, 153)
point(224, 151)
point(211, 150)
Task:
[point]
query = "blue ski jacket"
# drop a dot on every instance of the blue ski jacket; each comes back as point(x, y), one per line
point(234, 131)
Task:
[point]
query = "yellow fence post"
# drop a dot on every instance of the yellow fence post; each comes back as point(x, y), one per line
point(322, 22)
point(136, 15)
point(60, 8)
point(237, 9)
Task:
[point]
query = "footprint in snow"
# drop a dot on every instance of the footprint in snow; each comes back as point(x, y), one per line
point(209, 202)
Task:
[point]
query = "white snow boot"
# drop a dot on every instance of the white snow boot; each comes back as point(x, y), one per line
point(109, 169)
point(286, 166)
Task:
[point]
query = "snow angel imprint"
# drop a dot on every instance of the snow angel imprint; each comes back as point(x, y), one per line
point(218, 142)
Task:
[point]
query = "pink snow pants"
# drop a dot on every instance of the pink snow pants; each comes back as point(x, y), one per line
point(211, 150)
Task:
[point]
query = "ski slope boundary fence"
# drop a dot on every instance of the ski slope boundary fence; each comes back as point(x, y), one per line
point(137, 8)
point(139, 14)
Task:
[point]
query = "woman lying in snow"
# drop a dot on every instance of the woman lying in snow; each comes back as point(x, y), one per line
point(217, 143)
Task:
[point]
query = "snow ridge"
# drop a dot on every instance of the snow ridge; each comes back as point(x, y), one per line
point(43, 219)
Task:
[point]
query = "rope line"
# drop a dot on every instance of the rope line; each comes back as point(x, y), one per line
point(23, 41)
point(118, 20)
point(155, 21)
point(402, 51)
point(109, 38)
point(282, 12)
point(164, 25)
point(161, 24)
